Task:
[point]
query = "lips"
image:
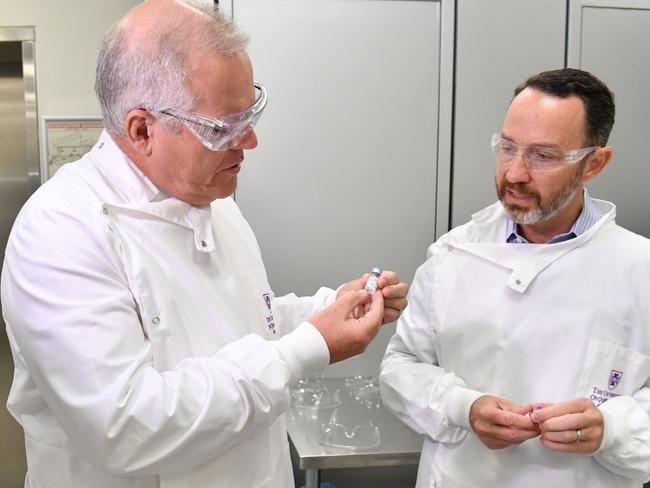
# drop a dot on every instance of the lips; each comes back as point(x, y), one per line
point(519, 195)
point(233, 169)
point(519, 199)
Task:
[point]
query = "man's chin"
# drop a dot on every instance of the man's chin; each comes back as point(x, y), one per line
point(521, 215)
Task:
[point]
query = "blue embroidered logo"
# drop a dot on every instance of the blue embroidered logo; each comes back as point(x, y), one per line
point(614, 379)
point(270, 323)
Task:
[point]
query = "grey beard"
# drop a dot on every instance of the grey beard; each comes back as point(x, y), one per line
point(528, 217)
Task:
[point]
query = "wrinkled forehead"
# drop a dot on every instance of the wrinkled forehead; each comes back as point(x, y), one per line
point(221, 84)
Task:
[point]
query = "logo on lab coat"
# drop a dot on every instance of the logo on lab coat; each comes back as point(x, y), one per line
point(270, 323)
point(614, 379)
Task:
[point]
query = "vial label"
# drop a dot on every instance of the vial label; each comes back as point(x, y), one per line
point(371, 284)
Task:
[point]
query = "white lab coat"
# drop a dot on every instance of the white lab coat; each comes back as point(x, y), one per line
point(531, 323)
point(146, 338)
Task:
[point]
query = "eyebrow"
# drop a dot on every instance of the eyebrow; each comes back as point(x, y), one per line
point(550, 146)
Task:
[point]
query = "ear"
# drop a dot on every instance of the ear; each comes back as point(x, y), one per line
point(596, 162)
point(139, 134)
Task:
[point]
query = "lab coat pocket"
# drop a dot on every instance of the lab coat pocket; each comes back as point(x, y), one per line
point(262, 296)
point(611, 370)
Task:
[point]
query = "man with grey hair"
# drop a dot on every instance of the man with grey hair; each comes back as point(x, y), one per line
point(149, 348)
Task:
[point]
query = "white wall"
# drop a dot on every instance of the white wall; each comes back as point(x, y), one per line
point(68, 36)
point(345, 174)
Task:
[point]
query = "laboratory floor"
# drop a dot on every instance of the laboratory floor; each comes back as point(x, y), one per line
point(12, 447)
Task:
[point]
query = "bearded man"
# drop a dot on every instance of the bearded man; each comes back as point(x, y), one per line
point(524, 352)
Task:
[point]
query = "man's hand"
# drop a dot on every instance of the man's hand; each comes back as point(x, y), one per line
point(572, 426)
point(499, 423)
point(345, 333)
point(393, 291)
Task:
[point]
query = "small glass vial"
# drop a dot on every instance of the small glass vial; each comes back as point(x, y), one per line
point(371, 284)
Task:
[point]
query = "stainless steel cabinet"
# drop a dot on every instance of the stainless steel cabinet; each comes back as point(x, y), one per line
point(499, 44)
point(610, 38)
point(19, 177)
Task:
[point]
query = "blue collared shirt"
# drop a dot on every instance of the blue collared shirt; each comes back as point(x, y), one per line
point(588, 217)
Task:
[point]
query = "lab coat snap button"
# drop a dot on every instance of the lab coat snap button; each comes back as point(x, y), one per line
point(450, 248)
point(101, 145)
point(105, 211)
point(155, 320)
point(204, 244)
point(517, 282)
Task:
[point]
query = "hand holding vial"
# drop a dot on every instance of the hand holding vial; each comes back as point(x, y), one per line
point(575, 425)
point(392, 289)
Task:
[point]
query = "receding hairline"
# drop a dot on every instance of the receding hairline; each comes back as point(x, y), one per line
point(151, 22)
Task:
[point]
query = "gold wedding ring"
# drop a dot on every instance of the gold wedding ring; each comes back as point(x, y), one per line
point(578, 435)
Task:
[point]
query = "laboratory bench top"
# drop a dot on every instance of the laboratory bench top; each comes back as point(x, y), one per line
point(399, 445)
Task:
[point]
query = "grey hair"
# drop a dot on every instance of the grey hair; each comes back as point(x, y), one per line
point(154, 77)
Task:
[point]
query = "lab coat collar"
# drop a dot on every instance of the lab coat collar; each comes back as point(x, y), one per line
point(138, 194)
point(124, 177)
point(525, 260)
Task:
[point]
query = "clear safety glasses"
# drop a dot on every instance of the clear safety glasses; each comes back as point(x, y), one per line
point(537, 158)
point(225, 132)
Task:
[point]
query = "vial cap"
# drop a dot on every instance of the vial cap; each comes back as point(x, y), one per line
point(376, 270)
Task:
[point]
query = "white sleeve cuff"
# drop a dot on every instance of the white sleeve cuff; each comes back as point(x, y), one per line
point(614, 428)
point(458, 402)
point(305, 351)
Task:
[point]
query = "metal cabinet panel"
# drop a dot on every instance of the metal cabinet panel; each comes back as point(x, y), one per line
point(499, 44)
point(19, 177)
point(610, 39)
point(344, 177)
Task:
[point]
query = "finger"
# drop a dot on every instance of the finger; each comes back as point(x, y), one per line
point(362, 281)
point(390, 315)
point(511, 415)
point(510, 436)
point(353, 285)
point(387, 278)
point(570, 421)
point(565, 436)
point(579, 447)
point(374, 316)
point(505, 414)
point(357, 312)
point(576, 405)
point(346, 304)
point(397, 304)
point(515, 419)
point(399, 290)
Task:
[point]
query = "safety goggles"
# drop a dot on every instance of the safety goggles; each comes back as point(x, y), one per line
point(537, 158)
point(225, 132)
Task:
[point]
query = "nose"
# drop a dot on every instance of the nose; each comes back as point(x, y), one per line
point(518, 170)
point(249, 141)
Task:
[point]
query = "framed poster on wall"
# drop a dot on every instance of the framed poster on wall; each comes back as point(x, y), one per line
point(66, 139)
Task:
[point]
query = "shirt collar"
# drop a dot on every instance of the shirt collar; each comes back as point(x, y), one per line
point(587, 218)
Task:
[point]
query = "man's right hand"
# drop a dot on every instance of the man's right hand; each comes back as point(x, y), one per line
point(499, 423)
point(345, 335)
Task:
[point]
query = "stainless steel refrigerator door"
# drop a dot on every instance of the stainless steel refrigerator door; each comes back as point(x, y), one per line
point(19, 177)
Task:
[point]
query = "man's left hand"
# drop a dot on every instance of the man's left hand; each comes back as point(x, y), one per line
point(571, 426)
point(392, 289)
